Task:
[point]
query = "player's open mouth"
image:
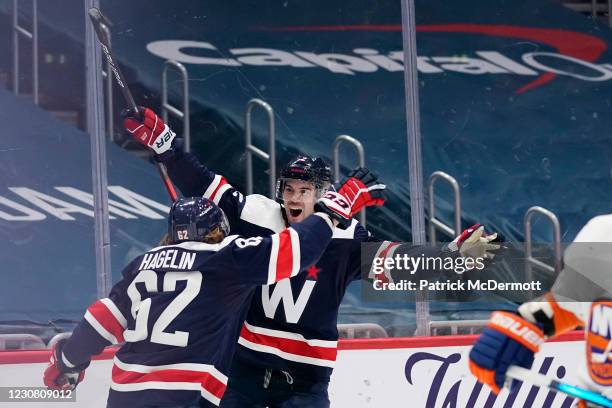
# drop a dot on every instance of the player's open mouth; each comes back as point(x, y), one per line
point(295, 212)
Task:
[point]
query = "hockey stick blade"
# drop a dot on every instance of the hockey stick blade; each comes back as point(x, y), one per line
point(523, 374)
point(98, 19)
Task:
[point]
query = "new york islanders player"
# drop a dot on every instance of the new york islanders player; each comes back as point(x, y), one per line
point(287, 346)
point(179, 308)
point(581, 296)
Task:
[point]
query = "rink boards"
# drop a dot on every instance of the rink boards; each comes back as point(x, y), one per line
point(395, 372)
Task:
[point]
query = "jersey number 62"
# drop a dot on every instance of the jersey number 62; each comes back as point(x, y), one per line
point(142, 308)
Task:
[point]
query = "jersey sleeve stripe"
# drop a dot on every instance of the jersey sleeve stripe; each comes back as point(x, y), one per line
point(295, 249)
point(273, 259)
point(66, 362)
point(110, 305)
point(220, 190)
point(213, 186)
point(219, 193)
point(285, 255)
point(106, 319)
point(105, 334)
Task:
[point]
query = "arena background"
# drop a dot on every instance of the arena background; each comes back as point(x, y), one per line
point(514, 101)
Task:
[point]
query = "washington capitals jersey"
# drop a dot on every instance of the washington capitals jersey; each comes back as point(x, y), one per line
point(179, 310)
point(291, 325)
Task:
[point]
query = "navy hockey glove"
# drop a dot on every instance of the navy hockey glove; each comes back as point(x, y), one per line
point(58, 375)
point(362, 189)
point(508, 340)
point(336, 206)
point(149, 129)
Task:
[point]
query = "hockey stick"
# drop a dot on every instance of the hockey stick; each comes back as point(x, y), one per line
point(98, 21)
point(523, 374)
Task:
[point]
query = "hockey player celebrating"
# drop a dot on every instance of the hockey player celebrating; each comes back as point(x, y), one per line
point(579, 297)
point(179, 308)
point(286, 353)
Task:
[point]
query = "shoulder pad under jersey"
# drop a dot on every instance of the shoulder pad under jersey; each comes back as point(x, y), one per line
point(264, 212)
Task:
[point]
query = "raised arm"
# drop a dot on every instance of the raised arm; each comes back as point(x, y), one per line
point(185, 170)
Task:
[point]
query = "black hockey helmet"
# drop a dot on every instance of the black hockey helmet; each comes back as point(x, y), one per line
point(305, 168)
point(195, 218)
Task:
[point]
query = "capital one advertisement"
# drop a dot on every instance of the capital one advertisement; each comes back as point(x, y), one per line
point(513, 96)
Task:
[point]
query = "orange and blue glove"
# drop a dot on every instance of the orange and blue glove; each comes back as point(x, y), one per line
point(508, 340)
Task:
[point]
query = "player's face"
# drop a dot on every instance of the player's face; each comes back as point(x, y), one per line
point(299, 197)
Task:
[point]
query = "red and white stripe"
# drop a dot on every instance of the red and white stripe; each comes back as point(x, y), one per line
point(284, 255)
point(385, 250)
point(289, 346)
point(107, 320)
point(184, 376)
point(358, 188)
point(217, 188)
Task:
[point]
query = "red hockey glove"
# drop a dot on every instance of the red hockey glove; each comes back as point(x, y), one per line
point(149, 129)
point(362, 189)
point(336, 206)
point(58, 375)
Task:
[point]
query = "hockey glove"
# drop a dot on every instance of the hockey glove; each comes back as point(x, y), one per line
point(336, 206)
point(508, 340)
point(362, 189)
point(149, 129)
point(59, 375)
point(474, 243)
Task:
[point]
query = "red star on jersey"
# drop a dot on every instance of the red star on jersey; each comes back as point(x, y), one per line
point(312, 272)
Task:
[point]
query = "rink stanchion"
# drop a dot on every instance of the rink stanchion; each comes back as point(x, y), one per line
point(25, 341)
point(336, 161)
point(435, 223)
point(251, 149)
point(32, 36)
point(166, 107)
point(98, 21)
point(58, 337)
point(455, 325)
point(361, 330)
point(530, 261)
point(108, 77)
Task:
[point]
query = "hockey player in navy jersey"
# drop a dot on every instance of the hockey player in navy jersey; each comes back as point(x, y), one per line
point(287, 345)
point(179, 308)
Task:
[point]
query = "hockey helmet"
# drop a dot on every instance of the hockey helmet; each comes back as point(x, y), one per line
point(194, 218)
point(305, 168)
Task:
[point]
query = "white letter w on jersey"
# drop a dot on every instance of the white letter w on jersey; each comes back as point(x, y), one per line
point(282, 291)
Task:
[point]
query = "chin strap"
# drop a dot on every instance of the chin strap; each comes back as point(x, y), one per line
point(284, 215)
